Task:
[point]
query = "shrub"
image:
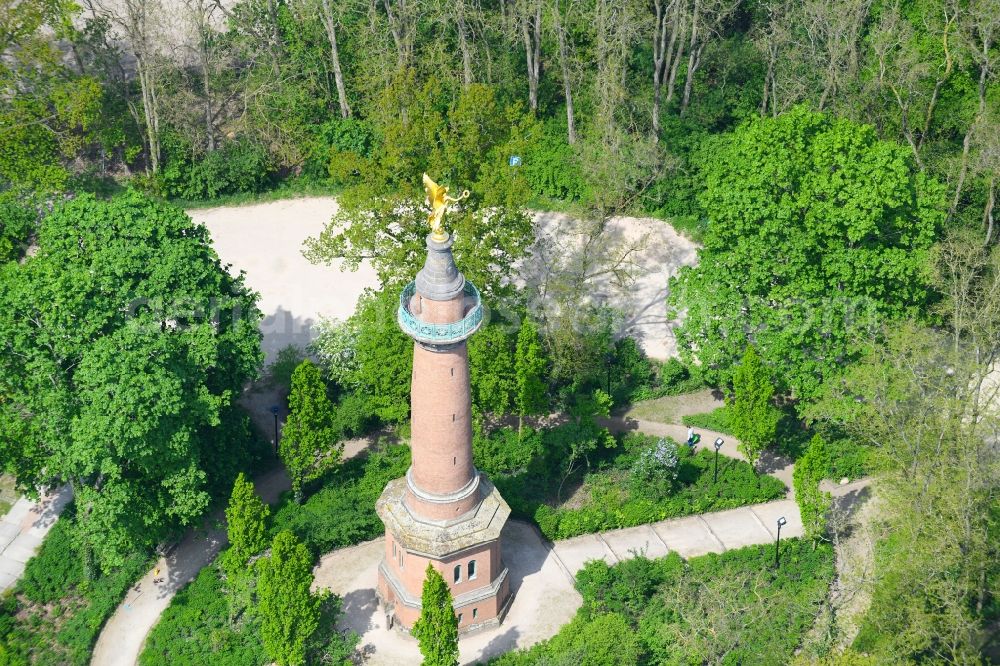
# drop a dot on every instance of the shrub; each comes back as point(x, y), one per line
point(669, 378)
point(279, 372)
point(55, 568)
point(195, 629)
point(16, 224)
point(342, 512)
point(351, 417)
point(655, 470)
point(289, 611)
point(506, 451)
point(550, 165)
point(848, 458)
point(754, 420)
point(437, 629)
point(54, 615)
point(731, 608)
point(813, 503)
point(237, 167)
point(234, 446)
point(310, 443)
point(613, 504)
point(341, 147)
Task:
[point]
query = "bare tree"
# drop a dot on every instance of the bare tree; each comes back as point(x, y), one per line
point(528, 15)
point(331, 18)
point(813, 51)
point(667, 34)
point(462, 12)
point(463, 18)
point(402, 18)
point(706, 20)
point(980, 30)
point(561, 12)
point(138, 20)
point(904, 69)
point(200, 15)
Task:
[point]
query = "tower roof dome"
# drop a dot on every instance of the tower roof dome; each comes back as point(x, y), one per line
point(440, 279)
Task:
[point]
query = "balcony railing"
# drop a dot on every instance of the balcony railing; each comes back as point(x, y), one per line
point(439, 334)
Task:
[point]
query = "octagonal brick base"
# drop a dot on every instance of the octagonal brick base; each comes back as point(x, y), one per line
point(411, 543)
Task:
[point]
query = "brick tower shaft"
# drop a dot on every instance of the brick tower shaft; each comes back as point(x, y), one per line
point(444, 512)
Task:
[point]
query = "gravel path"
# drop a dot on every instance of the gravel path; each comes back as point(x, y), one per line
point(542, 572)
point(265, 241)
point(122, 638)
point(22, 530)
point(542, 575)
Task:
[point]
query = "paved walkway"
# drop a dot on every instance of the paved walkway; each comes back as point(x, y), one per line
point(544, 599)
point(541, 575)
point(22, 530)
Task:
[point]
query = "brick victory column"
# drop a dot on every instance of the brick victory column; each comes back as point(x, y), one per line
point(444, 511)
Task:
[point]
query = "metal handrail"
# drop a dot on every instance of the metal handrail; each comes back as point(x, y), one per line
point(439, 334)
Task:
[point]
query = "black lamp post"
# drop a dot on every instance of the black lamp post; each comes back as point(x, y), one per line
point(777, 542)
point(275, 410)
point(718, 445)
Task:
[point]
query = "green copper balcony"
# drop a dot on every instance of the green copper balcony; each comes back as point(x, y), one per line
point(439, 335)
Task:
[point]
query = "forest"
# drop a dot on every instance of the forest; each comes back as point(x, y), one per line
point(836, 161)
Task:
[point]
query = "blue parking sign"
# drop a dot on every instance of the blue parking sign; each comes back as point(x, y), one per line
point(515, 160)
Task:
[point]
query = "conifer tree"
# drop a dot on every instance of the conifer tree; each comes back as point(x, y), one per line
point(437, 628)
point(289, 611)
point(754, 419)
point(529, 369)
point(309, 443)
point(813, 502)
point(246, 520)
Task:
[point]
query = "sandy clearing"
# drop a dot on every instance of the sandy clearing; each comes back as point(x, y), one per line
point(265, 240)
point(646, 253)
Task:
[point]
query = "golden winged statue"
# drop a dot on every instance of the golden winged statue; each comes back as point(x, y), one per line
point(438, 200)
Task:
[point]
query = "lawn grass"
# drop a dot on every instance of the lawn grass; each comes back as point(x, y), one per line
point(673, 408)
point(717, 420)
point(611, 501)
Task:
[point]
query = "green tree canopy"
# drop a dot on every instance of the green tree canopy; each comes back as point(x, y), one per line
point(289, 611)
point(124, 343)
point(492, 370)
point(753, 418)
point(374, 357)
point(927, 400)
point(529, 371)
point(817, 231)
point(309, 441)
point(437, 628)
point(383, 218)
point(48, 111)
